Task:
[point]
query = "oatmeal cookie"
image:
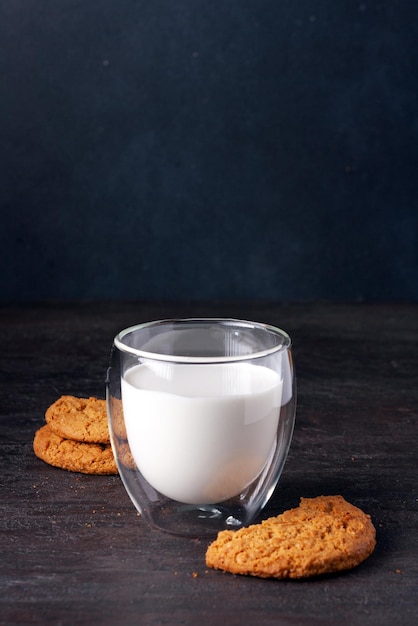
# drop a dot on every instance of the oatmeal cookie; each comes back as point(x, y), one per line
point(75, 456)
point(81, 419)
point(323, 535)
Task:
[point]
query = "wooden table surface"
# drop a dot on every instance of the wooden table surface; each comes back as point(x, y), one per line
point(75, 551)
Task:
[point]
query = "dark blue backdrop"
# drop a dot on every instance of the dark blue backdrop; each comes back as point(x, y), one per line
point(178, 149)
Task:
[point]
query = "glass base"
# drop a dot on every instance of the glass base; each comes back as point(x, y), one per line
point(197, 520)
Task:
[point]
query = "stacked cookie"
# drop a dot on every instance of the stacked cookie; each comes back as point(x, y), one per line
point(76, 436)
point(322, 535)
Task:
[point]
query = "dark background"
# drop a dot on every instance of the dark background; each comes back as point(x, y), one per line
point(186, 149)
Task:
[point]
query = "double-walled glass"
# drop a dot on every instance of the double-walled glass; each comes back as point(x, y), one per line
point(201, 416)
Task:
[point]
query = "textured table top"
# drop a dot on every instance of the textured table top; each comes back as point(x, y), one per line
point(75, 551)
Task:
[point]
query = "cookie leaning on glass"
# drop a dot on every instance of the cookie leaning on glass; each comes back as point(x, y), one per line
point(76, 436)
point(322, 535)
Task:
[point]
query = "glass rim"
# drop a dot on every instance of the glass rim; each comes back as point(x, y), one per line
point(281, 346)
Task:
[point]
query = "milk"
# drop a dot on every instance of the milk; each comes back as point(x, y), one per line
point(201, 433)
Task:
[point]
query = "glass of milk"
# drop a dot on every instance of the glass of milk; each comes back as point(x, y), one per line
point(201, 415)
